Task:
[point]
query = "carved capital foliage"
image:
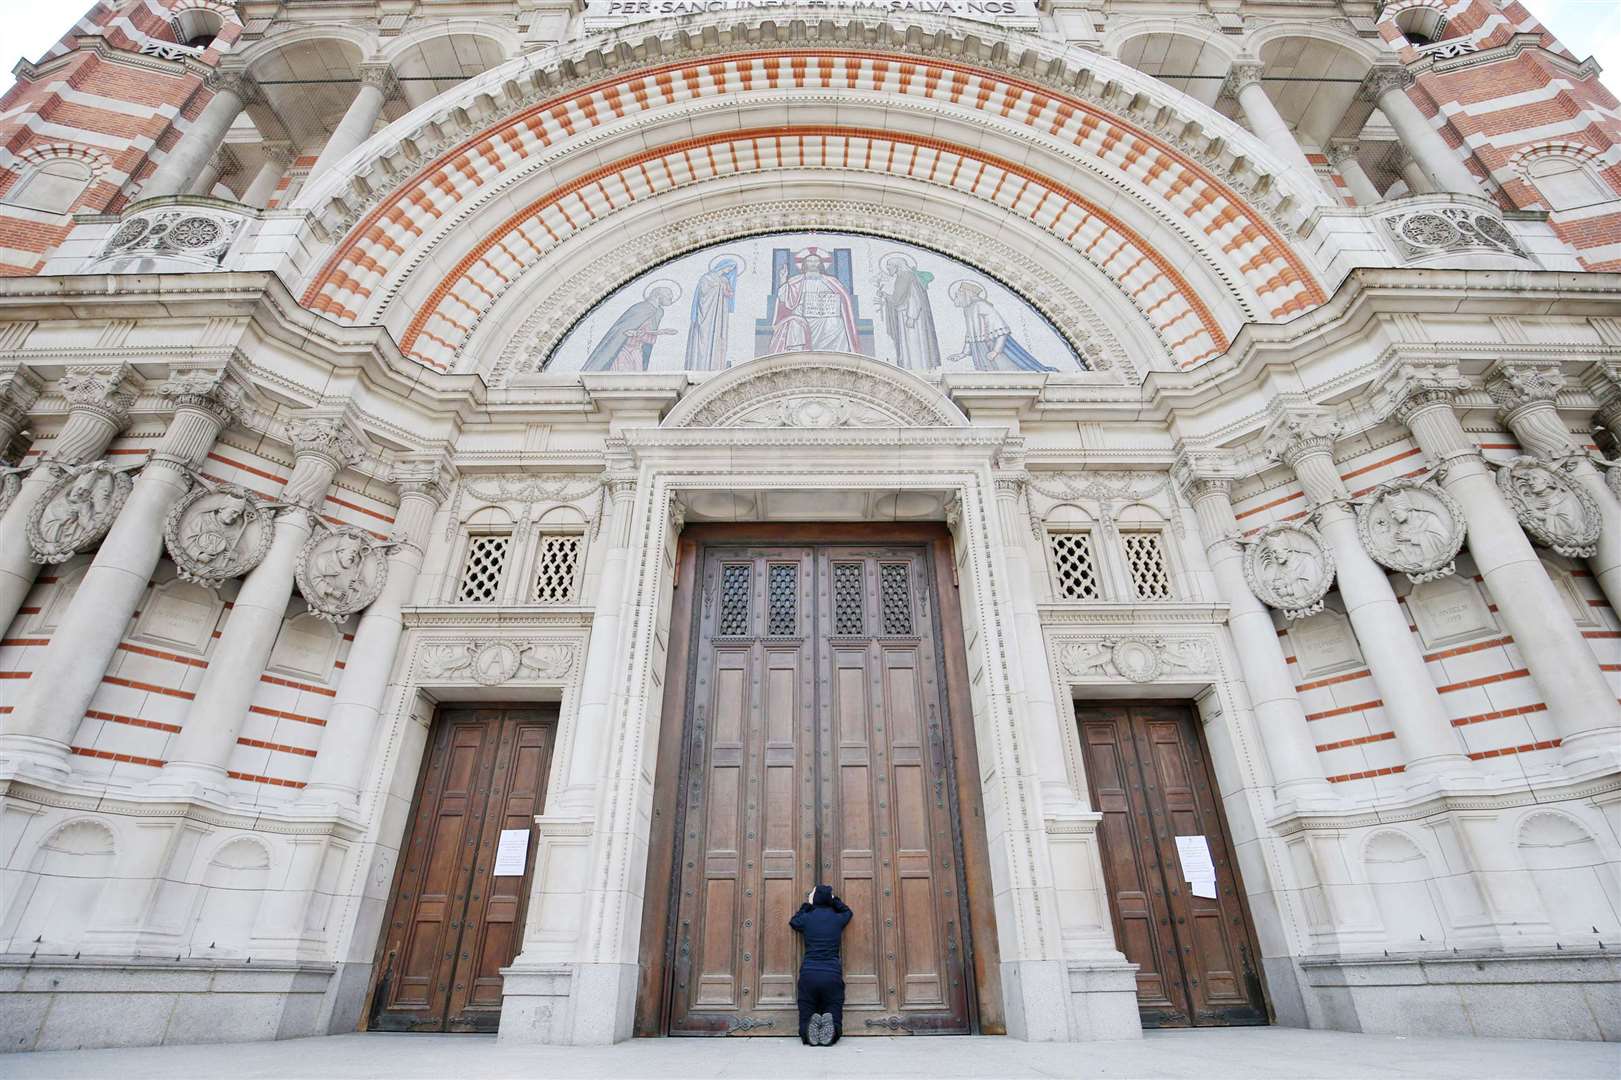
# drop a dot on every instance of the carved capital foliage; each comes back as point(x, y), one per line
point(19, 390)
point(1412, 526)
point(1298, 432)
point(101, 390)
point(1289, 568)
point(1242, 73)
point(1514, 384)
point(213, 392)
point(428, 476)
point(327, 437)
point(1343, 150)
point(1556, 512)
point(380, 76)
point(1200, 472)
point(234, 81)
point(1382, 79)
point(1417, 384)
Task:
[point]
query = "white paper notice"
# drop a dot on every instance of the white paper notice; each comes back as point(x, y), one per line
point(1198, 869)
point(512, 853)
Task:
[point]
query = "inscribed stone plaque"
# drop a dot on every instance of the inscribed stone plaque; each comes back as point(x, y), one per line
point(1324, 644)
point(306, 646)
point(1449, 611)
point(179, 615)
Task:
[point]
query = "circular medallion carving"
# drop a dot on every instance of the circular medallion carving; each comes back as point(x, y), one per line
point(129, 233)
point(76, 511)
point(494, 662)
point(1136, 660)
point(1289, 568)
point(1555, 512)
point(194, 232)
point(339, 572)
point(215, 534)
point(1429, 230)
point(1412, 527)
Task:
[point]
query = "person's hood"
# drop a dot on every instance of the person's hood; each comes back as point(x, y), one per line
point(824, 896)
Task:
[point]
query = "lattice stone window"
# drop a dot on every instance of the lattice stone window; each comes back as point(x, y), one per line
point(557, 568)
point(481, 573)
point(1145, 559)
point(1075, 570)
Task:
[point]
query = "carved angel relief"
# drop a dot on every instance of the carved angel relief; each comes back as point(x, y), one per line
point(340, 571)
point(77, 510)
point(491, 663)
point(215, 534)
point(1141, 660)
point(1557, 513)
point(1412, 527)
point(1290, 569)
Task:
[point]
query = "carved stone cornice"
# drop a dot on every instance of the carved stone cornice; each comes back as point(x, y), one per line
point(103, 391)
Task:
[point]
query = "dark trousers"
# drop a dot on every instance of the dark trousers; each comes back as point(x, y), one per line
point(820, 992)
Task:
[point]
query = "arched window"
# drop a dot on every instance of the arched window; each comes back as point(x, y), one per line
point(52, 186)
point(197, 27)
point(1421, 26)
point(1566, 182)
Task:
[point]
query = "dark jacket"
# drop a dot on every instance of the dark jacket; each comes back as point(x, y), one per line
point(821, 925)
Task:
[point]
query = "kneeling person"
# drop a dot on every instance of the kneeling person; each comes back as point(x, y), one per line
point(821, 920)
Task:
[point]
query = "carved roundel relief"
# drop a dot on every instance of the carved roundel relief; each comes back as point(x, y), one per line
point(215, 534)
point(1412, 527)
point(340, 572)
point(1289, 568)
point(76, 511)
point(1555, 512)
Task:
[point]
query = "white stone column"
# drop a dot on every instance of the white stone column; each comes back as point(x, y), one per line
point(322, 446)
point(189, 157)
point(1413, 174)
point(352, 722)
point(262, 188)
point(1580, 702)
point(70, 671)
point(1343, 157)
point(1386, 86)
point(604, 654)
point(98, 408)
point(357, 124)
point(1304, 440)
point(1297, 774)
point(204, 184)
point(1525, 394)
point(1263, 118)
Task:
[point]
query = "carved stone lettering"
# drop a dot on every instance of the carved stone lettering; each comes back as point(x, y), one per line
point(217, 534)
point(1412, 527)
point(76, 511)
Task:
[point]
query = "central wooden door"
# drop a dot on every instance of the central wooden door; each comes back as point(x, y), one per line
point(815, 751)
point(453, 923)
point(1195, 954)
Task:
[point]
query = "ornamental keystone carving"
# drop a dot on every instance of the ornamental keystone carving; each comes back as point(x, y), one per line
point(1412, 527)
point(1140, 660)
point(215, 534)
point(340, 571)
point(491, 663)
point(1289, 567)
point(1555, 512)
point(76, 511)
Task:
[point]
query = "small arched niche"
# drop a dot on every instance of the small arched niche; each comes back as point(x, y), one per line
point(1399, 875)
point(1577, 885)
point(233, 891)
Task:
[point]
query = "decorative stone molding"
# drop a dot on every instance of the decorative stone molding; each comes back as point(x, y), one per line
point(76, 511)
point(1419, 233)
point(491, 663)
point(1413, 527)
point(530, 490)
point(1557, 513)
point(816, 388)
point(1138, 659)
point(101, 391)
point(214, 534)
point(340, 572)
point(1289, 568)
point(1103, 494)
point(193, 233)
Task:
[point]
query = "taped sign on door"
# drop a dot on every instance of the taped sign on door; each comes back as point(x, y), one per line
point(1198, 868)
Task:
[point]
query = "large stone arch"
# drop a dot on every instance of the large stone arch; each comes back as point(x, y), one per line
point(1182, 213)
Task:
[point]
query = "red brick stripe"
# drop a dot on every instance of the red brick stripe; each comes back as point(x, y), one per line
point(130, 759)
point(280, 748)
point(132, 721)
point(1523, 748)
point(1374, 704)
point(254, 778)
point(1359, 741)
point(1344, 777)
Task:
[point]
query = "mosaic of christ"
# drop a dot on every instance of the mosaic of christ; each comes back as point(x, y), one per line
point(799, 292)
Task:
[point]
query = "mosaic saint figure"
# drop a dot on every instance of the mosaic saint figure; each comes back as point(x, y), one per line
point(628, 344)
point(987, 339)
point(714, 298)
point(903, 296)
point(814, 310)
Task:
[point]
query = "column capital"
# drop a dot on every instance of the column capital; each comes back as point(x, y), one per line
point(214, 391)
point(102, 391)
point(1296, 433)
point(328, 437)
point(1413, 385)
point(1009, 483)
point(1603, 381)
point(1200, 472)
point(19, 390)
point(1382, 79)
point(1242, 73)
point(1515, 384)
point(427, 476)
point(379, 75)
point(231, 80)
point(1342, 150)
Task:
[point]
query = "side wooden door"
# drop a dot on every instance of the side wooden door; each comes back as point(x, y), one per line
point(452, 924)
point(1197, 960)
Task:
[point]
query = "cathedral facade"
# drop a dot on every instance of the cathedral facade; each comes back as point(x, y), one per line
point(502, 497)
